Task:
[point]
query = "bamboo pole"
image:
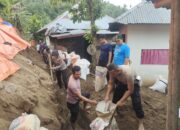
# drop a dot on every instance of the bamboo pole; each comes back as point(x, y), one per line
point(49, 58)
point(173, 121)
point(50, 66)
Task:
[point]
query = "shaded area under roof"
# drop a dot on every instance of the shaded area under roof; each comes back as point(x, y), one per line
point(145, 13)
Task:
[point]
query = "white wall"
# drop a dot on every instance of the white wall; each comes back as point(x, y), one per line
point(148, 37)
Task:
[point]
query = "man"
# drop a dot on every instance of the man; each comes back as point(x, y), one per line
point(123, 79)
point(121, 52)
point(45, 53)
point(60, 68)
point(74, 95)
point(105, 52)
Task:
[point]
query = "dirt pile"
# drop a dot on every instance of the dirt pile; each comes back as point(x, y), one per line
point(29, 90)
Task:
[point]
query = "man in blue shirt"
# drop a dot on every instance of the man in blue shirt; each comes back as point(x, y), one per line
point(121, 52)
point(105, 52)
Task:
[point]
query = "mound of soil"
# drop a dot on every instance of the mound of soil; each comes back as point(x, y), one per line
point(29, 90)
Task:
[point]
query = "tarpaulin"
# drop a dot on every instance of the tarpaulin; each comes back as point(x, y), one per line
point(10, 44)
point(10, 41)
point(7, 68)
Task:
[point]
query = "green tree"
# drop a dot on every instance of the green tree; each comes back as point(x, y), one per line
point(30, 15)
point(89, 10)
point(112, 10)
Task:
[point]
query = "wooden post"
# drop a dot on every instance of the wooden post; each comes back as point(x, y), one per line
point(49, 58)
point(173, 121)
point(50, 66)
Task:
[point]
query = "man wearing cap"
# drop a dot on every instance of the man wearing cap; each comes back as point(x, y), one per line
point(124, 85)
point(121, 52)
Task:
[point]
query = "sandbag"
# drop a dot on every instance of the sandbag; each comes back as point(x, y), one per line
point(26, 122)
point(160, 85)
point(84, 64)
point(105, 110)
point(42, 128)
point(113, 125)
point(104, 121)
point(100, 79)
point(98, 124)
point(74, 57)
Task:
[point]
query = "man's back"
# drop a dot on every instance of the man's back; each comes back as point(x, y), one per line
point(126, 75)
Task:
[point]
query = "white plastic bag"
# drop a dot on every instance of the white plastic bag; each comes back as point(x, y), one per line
point(160, 85)
point(42, 128)
point(98, 124)
point(113, 125)
point(25, 122)
point(105, 110)
point(84, 64)
point(100, 79)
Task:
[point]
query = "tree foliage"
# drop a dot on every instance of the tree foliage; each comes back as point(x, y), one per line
point(30, 15)
point(112, 10)
point(81, 12)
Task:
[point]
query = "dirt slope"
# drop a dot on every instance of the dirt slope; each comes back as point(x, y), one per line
point(29, 90)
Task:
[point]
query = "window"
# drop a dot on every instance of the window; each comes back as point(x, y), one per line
point(155, 56)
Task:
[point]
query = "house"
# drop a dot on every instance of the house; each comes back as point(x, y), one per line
point(64, 32)
point(146, 31)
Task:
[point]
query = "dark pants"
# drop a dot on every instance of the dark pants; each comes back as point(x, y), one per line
point(62, 75)
point(74, 108)
point(135, 97)
point(102, 63)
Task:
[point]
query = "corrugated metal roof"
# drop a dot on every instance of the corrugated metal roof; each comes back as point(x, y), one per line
point(106, 32)
point(67, 23)
point(72, 33)
point(64, 15)
point(145, 13)
point(77, 33)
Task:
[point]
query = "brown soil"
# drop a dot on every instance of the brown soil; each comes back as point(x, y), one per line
point(29, 90)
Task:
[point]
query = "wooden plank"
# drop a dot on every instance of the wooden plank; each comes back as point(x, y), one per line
point(50, 66)
point(173, 122)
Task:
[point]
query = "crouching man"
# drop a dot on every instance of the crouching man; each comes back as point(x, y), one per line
point(122, 82)
point(74, 95)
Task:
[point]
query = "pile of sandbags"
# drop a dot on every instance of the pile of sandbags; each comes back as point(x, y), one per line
point(83, 63)
point(26, 122)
